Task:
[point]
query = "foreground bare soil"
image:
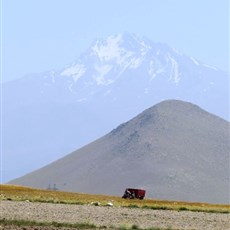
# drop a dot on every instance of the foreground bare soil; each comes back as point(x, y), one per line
point(110, 216)
point(13, 227)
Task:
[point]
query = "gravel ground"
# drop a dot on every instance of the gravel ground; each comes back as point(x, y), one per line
point(110, 216)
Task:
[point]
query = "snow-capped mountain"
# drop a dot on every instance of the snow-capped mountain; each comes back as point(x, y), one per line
point(49, 114)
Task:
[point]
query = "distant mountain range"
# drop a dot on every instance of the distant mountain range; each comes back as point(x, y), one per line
point(50, 114)
point(174, 150)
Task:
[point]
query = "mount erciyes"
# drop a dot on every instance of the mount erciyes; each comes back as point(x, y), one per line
point(174, 150)
point(50, 114)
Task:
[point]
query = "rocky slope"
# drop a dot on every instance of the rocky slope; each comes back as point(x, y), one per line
point(174, 150)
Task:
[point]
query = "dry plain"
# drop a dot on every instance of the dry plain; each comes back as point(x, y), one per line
point(88, 214)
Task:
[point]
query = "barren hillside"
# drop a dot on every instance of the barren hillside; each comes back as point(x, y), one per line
point(174, 150)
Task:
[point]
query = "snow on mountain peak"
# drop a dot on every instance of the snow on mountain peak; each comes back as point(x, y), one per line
point(174, 73)
point(102, 71)
point(111, 50)
point(123, 48)
point(75, 71)
point(108, 59)
point(195, 61)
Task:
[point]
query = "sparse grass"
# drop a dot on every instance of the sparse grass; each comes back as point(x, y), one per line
point(136, 227)
point(53, 224)
point(132, 206)
point(156, 207)
point(19, 193)
point(5, 222)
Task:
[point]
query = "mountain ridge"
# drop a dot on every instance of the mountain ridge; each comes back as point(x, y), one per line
point(112, 81)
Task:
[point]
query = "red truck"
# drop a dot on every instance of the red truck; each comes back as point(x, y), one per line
point(132, 193)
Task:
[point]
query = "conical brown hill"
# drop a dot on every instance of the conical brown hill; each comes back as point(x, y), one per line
point(174, 150)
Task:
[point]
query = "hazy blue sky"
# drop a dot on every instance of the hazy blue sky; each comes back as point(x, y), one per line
point(40, 35)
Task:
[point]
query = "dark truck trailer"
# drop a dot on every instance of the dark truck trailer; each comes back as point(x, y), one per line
point(132, 193)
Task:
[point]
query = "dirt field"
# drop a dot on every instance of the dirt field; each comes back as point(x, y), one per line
point(13, 227)
point(110, 216)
